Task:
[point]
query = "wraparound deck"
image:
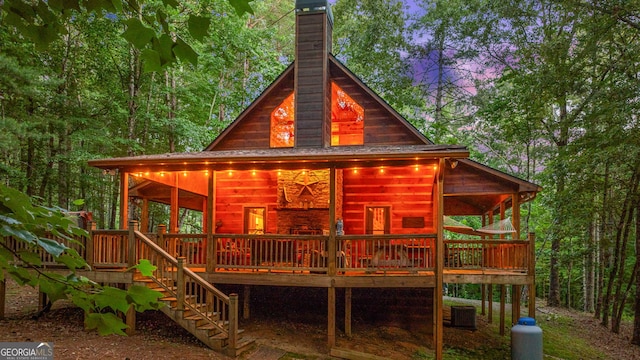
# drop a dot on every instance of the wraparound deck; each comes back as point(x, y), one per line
point(302, 260)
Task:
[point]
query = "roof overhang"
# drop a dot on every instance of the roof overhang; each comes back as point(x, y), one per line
point(285, 158)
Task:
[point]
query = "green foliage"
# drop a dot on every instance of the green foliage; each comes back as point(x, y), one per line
point(146, 23)
point(28, 230)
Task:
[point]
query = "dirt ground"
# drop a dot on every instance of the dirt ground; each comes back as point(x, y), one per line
point(157, 337)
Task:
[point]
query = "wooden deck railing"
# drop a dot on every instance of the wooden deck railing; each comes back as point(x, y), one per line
point(385, 253)
point(305, 253)
point(510, 255)
point(191, 291)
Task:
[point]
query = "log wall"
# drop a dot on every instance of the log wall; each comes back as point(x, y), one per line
point(408, 192)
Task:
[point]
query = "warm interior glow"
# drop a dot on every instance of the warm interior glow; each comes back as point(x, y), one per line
point(347, 119)
point(283, 124)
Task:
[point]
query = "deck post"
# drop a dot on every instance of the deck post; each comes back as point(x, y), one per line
point(438, 332)
point(233, 324)
point(347, 311)
point(490, 302)
point(532, 275)
point(483, 296)
point(162, 229)
point(88, 245)
point(331, 316)
point(503, 289)
point(3, 297)
point(130, 320)
point(180, 285)
point(515, 304)
point(131, 253)
point(332, 251)
point(246, 306)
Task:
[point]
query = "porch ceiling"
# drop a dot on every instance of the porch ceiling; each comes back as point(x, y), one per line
point(161, 193)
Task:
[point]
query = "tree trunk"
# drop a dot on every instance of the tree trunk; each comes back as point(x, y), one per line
point(603, 257)
point(636, 318)
point(588, 270)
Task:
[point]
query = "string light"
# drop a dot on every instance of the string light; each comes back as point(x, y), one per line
point(417, 167)
point(253, 172)
point(381, 170)
point(355, 170)
point(230, 172)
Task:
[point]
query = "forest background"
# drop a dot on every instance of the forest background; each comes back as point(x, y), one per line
point(545, 90)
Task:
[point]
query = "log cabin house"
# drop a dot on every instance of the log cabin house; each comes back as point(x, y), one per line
point(319, 183)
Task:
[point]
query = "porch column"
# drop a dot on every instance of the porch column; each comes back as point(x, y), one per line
point(144, 219)
point(331, 259)
point(175, 208)
point(124, 199)
point(210, 221)
point(438, 335)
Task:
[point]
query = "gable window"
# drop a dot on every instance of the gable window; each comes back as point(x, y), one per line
point(283, 124)
point(347, 119)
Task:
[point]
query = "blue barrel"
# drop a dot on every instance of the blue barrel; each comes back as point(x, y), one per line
point(526, 340)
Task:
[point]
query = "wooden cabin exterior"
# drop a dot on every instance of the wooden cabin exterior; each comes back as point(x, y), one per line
point(318, 183)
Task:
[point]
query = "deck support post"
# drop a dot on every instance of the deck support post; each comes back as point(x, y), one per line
point(532, 275)
point(246, 306)
point(42, 300)
point(131, 249)
point(347, 312)
point(233, 324)
point(515, 304)
point(503, 290)
point(483, 296)
point(490, 302)
point(3, 297)
point(331, 316)
point(130, 320)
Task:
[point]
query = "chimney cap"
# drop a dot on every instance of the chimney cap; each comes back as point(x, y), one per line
point(314, 5)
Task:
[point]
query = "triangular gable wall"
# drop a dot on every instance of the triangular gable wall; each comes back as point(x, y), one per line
point(251, 128)
point(383, 125)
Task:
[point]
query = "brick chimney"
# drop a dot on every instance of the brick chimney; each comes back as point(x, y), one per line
point(314, 25)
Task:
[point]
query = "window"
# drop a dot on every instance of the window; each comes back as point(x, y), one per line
point(283, 124)
point(254, 220)
point(347, 119)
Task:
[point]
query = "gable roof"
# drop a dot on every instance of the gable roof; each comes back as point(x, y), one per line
point(383, 125)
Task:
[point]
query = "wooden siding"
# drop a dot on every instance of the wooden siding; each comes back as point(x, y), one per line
point(408, 192)
point(311, 76)
point(253, 129)
point(239, 189)
point(381, 127)
point(467, 180)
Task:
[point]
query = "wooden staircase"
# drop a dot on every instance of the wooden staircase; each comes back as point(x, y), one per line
point(190, 301)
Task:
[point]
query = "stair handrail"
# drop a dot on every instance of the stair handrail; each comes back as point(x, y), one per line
point(180, 294)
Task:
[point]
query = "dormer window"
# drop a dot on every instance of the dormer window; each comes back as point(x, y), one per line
point(283, 124)
point(347, 119)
